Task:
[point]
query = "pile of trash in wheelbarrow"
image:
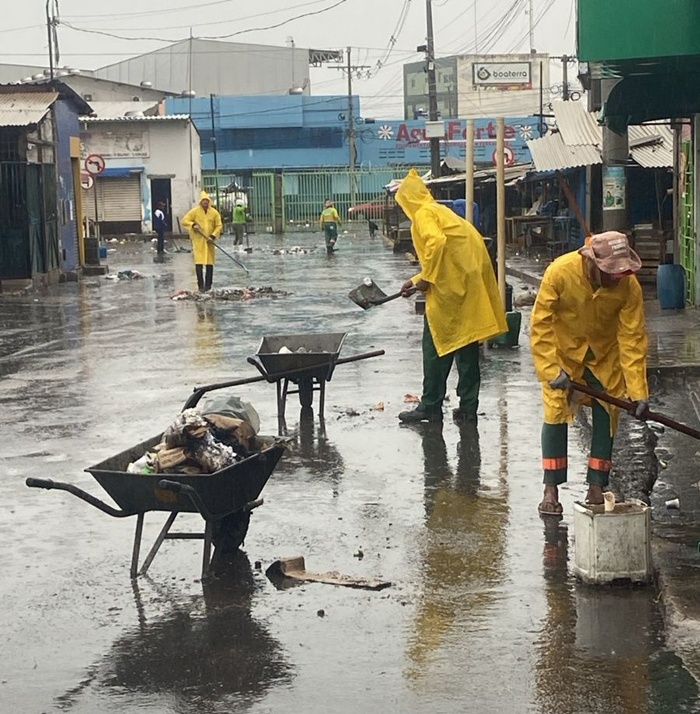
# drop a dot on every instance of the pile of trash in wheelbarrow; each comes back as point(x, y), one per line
point(210, 461)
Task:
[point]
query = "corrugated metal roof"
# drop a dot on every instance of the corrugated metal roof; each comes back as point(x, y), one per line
point(23, 109)
point(651, 145)
point(169, 117)
point(550, 153)
point(511, 174)
point(578, 126)
point(120, 109)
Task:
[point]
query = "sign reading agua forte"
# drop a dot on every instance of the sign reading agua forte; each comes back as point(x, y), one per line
point(407, 140)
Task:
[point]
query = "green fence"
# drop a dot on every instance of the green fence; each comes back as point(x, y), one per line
point(293, 200)
point(687, 220)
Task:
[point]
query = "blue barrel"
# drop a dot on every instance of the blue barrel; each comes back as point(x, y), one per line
point(670, 287)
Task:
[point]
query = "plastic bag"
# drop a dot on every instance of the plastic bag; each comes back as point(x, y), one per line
point(231, 406)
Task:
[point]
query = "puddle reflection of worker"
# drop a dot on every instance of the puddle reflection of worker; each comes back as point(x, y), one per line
point(463, 557)
point(207, 335)
point(595, 645)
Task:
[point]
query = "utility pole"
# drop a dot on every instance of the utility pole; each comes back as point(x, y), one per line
point(51, 29)
point(352, 146)
point(565, 95)
point(213, 146)
point(532, 30)
point(432, 91)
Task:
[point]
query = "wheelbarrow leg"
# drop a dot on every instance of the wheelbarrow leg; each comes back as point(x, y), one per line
point(321, 397)
point(159, 541)
point(206, 555)
point(137, 546)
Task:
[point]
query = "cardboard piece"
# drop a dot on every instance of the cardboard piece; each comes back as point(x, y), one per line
point(295, 569)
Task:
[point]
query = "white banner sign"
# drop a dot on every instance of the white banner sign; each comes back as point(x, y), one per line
point(499, 74)
point(116, 145)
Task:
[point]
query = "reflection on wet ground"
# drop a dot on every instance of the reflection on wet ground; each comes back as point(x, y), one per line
point(204, 654)
point(482, 616)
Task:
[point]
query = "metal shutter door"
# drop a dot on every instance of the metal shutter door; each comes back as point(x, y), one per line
point(118, 199)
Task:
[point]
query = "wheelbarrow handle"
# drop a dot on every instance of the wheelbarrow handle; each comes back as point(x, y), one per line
point(628, 406)
point(46, 483)
point(399, 294)
point(79, 493)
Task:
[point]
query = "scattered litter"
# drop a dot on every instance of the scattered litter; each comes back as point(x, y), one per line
point(321, 612)
point(410, 399)
point(360, 554)
point(378, 407)
point(673, 504)
point(295, 569)
point(351, 412)
point(293, 250)
point(125, 275)
point(228, 294)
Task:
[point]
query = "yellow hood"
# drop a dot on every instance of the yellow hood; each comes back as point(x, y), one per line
point(413, 194)
point(205, 196)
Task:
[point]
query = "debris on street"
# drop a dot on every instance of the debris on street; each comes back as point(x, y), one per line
point(411, 399)
point(295, 569)
point(229, 294)
point(125, 275)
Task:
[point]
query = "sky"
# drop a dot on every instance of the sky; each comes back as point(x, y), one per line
point(382, 34)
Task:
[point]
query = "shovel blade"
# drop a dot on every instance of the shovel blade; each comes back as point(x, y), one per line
point(366, 295)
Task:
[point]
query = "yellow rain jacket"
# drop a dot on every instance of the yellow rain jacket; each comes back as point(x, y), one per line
point(462, 304)
point(210, 224)
point(574, 326)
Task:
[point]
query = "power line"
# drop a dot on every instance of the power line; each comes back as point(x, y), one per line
point(213, 22)
point(207, 37)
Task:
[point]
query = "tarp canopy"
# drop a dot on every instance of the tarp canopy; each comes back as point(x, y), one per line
point(642, 98)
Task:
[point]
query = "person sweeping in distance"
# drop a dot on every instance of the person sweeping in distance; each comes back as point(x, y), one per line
point(462, 304)
point(330, 221)
point(587, 326)
point(204, 225)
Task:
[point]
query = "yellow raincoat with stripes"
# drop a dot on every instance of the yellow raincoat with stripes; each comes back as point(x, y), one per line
point(210, 224)
point(462, 304)
point(574, 326)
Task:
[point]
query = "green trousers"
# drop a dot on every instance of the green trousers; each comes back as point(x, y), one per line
point(436, 369)
point(555, 446)
point(330, 231)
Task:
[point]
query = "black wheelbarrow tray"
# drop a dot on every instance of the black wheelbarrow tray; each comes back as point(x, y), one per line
point(224, 498)
point(308, 360)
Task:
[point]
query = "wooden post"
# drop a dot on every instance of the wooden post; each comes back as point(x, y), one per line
point(501, 208)
point(469, 160)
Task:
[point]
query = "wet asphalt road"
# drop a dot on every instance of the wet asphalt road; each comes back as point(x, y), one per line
point(482, 615)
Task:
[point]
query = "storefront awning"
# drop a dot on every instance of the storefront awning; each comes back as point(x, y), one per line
point(651, 97)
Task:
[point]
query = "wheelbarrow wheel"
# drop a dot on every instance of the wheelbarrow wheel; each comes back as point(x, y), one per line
point(306, 392)
point(230, 532)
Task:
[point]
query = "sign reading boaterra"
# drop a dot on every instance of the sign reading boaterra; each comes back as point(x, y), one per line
point(502, 74)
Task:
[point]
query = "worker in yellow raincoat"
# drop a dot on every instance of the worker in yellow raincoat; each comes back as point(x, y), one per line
point(588, 326)
point(204, 225)
point(462, 304)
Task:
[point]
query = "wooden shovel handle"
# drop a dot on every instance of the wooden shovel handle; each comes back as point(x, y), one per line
point(627, 406)
point(381, 301)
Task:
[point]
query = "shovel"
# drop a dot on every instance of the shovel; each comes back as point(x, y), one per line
point(225, 252)
point(368, 294)
point(624, 404)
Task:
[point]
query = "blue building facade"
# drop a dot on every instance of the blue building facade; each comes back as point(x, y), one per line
point(311, 132)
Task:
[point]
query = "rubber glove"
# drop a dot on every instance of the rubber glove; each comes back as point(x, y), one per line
point(640, 409)
point(561, 382)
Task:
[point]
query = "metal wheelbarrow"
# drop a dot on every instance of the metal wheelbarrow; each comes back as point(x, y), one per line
point(224, 499)
point(304, 360)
